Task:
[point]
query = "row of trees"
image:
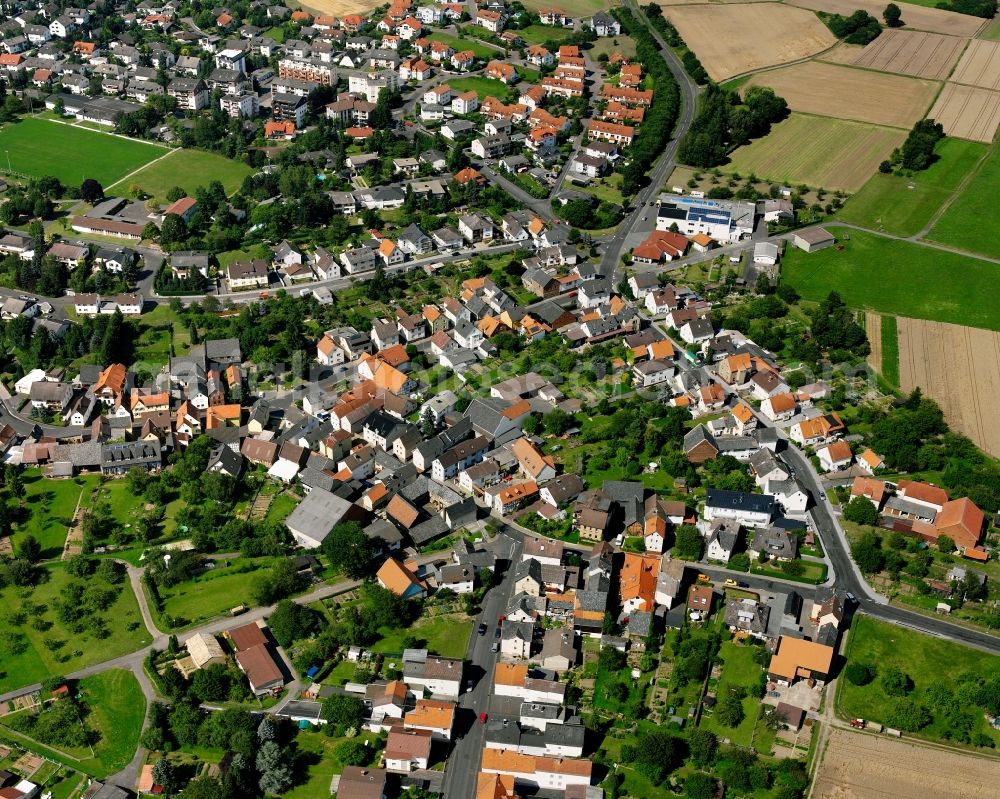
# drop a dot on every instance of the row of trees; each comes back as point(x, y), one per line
point(917, 152)
point(859, 28)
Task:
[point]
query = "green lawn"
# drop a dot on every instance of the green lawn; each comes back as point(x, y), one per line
point(41, 147)
point(315, 763)
point(212, 593)
point(904, 205)
point(49, 505)
point(277, 33)
point(117, 709)
point(898, 277)
point(924, 659)
point(189, 169)
point(484, 87)
point(739, 669)
point(447, 636)
point(458, 44)
point(281, 506)
point(537, 34)
point(971, 223)
point(890, 350)
point(71, 651)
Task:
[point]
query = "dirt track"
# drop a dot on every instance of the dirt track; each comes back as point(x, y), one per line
point(959, 367)
point(867, 766)
point(923, 55)
point(968, 112)
point(732, 39)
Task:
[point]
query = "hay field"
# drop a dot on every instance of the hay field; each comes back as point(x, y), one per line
point(842, 53)
point(920, 18)
point(845, 93)
point(818, 151)
point(732, 39)
point(864, 765)
point(923, 55)
point(337, 8)
point(959, 367)
point(980, 65)
point(968, 112)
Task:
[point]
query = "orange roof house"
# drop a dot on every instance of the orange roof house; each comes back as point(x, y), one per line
point(435, 715)
point(962, 522)
point(797, 659)
point(493, 786)
point(395, 577)
point(111, 383)
point(283, 129)
point(869, 488)
point(468, 175)
point(637, 581)
point(533, 463)
point(222, 415)
point(84, 48)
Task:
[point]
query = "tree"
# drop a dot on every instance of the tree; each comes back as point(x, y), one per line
point(91, 191)
point(729, 711)
point(688, 542)
point(699, 786)
point(163, 775)
point(860, 673)
point(30, 549)
point(267, 730)
point(908, 715)
point(343, 711)
point(895, 682)
point(276, 780)
point(703, 745)
point(657, 754)
point(211, 683)
point(352, 752)
point(175, 193)
point(861, 511)
point(867, 553)
point(349, 549)
point(893, 16)
point(290, 622)
point(945, 544)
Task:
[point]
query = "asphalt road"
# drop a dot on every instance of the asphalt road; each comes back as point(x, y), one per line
point(463, 763)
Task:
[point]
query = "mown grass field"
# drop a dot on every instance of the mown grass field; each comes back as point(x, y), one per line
point(459, 44)
point(537, 34)
point(971, 222)
point(484, 87)
point(41, 147)
point(55, 649)
point(213, 592)
point(924, 659)
point(117, 709)
point(818, 151)
point(49, 506)
point(189, 169)
point(904, 205)
point(898, 277)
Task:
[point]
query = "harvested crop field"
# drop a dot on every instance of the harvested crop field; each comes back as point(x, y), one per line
point(873, 328)
point(920, 18)
point(923, 55)
point(959, 367)
point(968, 112)
point(862, 766)
point(980, 65)
point(337, 8)
point(845, 93)
point(818, 151)
point(732, 39)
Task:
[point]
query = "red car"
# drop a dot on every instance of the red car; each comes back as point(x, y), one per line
point(482, 718)
point(501, 619)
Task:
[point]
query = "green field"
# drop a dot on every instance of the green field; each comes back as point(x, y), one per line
point(49, 505)
point(890, 350)
point(817, 151)
point(740, 669)
point(189, 169)
point(41, 147)
point(537, 34)
point(484, 87)
point(613, 44)
point(991, 31)
point(898, 277)
point(971, 222)
point(924, 659)
point(458, 44)
point(903, 206)
point(74, 650)
point(214, 592)
point(575, 8)
point(446, 635)
point(117, 709)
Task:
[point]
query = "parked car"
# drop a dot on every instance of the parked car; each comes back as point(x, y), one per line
point(495, 647)
point(482, 629)
point(496, 633)
point(482, 718)
point(730, 583)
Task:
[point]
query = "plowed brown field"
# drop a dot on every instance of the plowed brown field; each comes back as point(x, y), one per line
point(860, 766)
point(958, 367)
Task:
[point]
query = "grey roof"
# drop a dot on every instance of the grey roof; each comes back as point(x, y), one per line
point(739, 500)
point(317, 514)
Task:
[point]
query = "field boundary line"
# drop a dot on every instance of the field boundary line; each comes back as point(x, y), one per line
point(103, 132)
point(150, 163)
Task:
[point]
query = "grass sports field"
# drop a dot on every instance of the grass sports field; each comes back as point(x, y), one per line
point(57, 650)
point(903, 206)
point(925, 660)
point(971, 222)
point(189, 169)
point(484, 87)
point(818, 151)
point(41, 147)
point(898, 277)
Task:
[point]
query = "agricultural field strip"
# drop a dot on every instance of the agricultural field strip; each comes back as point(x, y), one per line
point(959, 367)
point(979, 65)
point(735, 39)
point(968, 112)
point(934, 20)
point(916, 53)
